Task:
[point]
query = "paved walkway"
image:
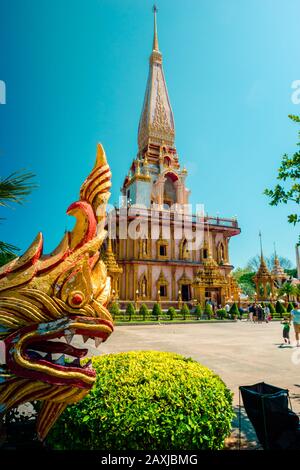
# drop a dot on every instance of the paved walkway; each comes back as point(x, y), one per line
point(241, 353)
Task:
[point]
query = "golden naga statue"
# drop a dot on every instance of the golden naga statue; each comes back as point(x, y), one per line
point(44, 298)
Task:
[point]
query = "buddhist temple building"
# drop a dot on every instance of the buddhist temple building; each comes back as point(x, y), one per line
point(159, 265)
point(266, 281)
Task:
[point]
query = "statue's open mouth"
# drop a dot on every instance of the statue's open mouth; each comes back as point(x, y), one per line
point(47, 351)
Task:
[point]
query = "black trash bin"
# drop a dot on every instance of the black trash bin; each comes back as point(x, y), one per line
point(267, 407)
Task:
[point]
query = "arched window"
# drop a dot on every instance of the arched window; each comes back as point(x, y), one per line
point(170, 196)
point(167, 161)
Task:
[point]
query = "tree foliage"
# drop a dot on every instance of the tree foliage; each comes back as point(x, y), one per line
point(144, 311)
point(130, 310)
point(254, 263)
point(289, 175)
point(156, 311)
point(14, 188)
point(147, 400)
point(288, 289)
point(185, 311)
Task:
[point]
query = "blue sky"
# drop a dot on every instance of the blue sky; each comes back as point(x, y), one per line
point(76, 71)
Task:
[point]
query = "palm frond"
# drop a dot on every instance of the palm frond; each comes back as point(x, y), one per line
point(8, 249)
point(7, 252)
point(15, 187)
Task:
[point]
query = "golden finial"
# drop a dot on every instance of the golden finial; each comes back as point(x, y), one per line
point(261, 250)
point(155, 38)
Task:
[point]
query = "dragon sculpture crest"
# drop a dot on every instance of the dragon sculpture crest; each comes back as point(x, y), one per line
point(46, 299)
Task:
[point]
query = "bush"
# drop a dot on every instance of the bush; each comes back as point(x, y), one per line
point(272, 308)
point(208, 311)
point(184, 311)
point(198, 311)
point(144, 312)
point(156, 311)
point(130, 311)
point(114, 309)
point(234, 311)
point(221, 313)
point(147, 400)
point(171, 312)
point(290, 307)
point(280, 308)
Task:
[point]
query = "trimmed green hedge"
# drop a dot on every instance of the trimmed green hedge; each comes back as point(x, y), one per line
point(172, 313)
point(272, 308)
point(185, 311)
point(156, 311)
point(114, 309)
point(280, 308)
point(221, 313)
point(130, 310)
point(147, 400)
point(234, 310)
point(144, 311)
point(208, 311)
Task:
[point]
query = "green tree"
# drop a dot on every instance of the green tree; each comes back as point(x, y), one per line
point(13, 189)
point(244, 278)
point(234, 311)
point(289, 174)
point(254, 263)
point(280, 308)
point(221, 313)
point(156, 311)
point(114, 309)
point(144, 312)
point(291, 272)
point(198, 311)
point(171, 312)
point(130, 311)
point(208, 311)
point(185, 311)
point(288, 289)
point(272, 308)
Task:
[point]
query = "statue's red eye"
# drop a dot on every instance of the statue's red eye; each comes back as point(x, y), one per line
point(77, 299)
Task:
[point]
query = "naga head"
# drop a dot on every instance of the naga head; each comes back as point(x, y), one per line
point(46, 299)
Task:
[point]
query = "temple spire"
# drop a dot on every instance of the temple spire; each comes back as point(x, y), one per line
point(276, 260)
point(155, 38)
point(156, 124)
point(261, 250)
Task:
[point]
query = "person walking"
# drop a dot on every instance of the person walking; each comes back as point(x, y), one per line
point(251, 311)
point(295, 318)
point(266, 313)
point(255, 312)
point(286, 331)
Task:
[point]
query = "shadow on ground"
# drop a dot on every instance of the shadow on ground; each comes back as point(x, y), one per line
point(243, 435)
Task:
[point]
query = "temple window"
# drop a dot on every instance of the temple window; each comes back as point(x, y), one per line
point(162, 249)
point(205, 253)
point(163, 291)
point(170, 196)
point(167, 161)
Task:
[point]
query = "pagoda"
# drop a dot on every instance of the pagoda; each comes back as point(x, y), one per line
point(159, 265)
